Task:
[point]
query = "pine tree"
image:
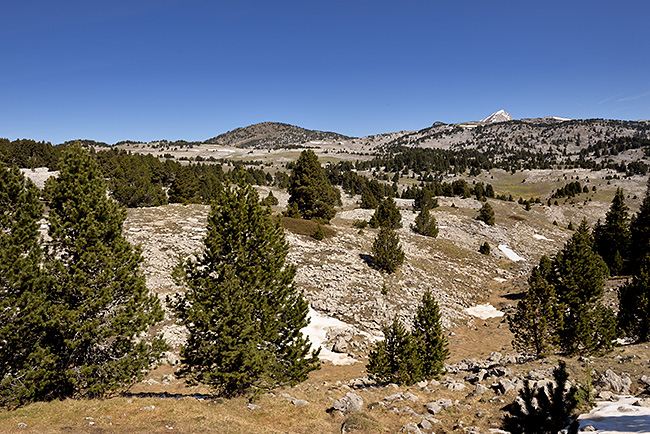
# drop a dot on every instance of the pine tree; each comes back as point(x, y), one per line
point(538, 319)
point(640, 234)
point(100, 304)
point(396, 359)
point(484, 249)
point(241, 308)
point(386, 215)
point(186, 186)
point(270, 200)
point(22, 288)
point(425, 223)
point(579, 278)
point(634, 304)
point(486, 214)
point(612, 239)
point(311, 191)
point(429, 338)
point(368, 199)
point(318, 233)
point(544, 410)
point(387, 253)
point(132, 185)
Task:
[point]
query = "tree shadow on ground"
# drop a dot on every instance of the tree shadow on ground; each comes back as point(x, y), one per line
point(368, 259)
point(167, 395)
point(514, 296)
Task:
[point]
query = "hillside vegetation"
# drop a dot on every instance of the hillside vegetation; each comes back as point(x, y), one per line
point(550, 196)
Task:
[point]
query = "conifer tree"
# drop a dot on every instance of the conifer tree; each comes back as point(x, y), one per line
point(396, 359)
point(100, 304)
point(132, 185)
point(563, 305)
point(486, 214)
point(640, 234)
point(425, 223)
point(242, 310)
point(186, 186)
point(318, 233)
point(387, 253)
point(386, 215)
point(634, 304)
point(270, 199)
point(579, 277)
point(429, 338)
point(310, 190)
point(612, 239)
point(22, 288)
point(544, 410)
point(538, 319)
point(368, 199)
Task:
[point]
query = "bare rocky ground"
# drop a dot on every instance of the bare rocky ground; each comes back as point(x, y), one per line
point(484, 371)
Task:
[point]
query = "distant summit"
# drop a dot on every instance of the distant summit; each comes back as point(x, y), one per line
point(273, 134)
point(500, 116)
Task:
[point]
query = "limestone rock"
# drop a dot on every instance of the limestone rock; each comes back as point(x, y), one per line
point(349, 402)
point(436, 407)
point(411, 428)
point(610, 380)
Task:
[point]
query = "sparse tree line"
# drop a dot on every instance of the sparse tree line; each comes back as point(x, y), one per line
point(563, 308)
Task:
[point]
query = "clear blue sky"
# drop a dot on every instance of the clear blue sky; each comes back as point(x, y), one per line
point(192, 69)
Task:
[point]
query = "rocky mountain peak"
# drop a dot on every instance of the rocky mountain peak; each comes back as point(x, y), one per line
point(500, 116)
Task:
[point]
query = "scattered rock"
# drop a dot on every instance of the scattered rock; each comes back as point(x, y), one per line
point(148, 408)
point(643, 402)
point(610, 380)
point(22, 425)
point(349, 402)
point(475, 377)
point(425, 425)
point(412, 428)
point(480, 389)
point(455, 386)
point(605, 395)
point(436, 407)
point(253, 407)
point(645, 380)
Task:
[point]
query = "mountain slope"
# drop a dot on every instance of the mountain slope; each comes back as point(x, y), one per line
point(273, 134)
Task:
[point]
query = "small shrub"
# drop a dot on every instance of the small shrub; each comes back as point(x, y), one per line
point(361, 224)
point(486, 214)
point(386, 251)
point(318, 233)
point(484, 249)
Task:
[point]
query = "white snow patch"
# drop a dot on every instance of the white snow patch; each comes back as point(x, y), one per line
point(500, 279)
point(510, 254)
point(541, 237)
point(484, 311)
point(316, 332)
point(618, 417)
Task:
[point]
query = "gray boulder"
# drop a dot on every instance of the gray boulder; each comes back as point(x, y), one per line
point(436, 407)
point(411, 428)
point(349, 402)
point(610, 380)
